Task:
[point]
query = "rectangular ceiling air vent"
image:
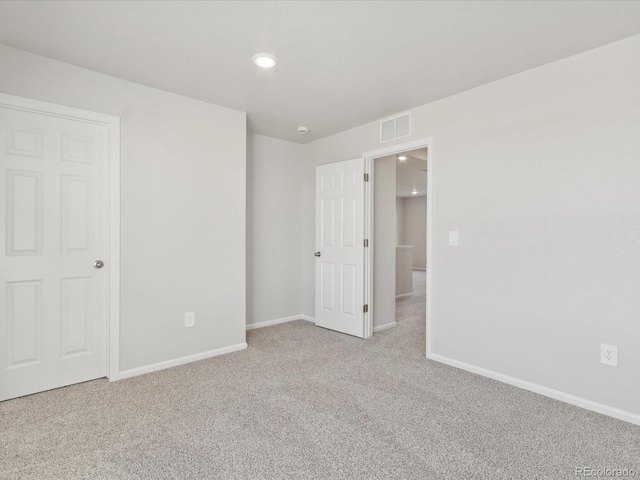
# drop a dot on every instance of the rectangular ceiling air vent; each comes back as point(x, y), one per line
point(397, 126)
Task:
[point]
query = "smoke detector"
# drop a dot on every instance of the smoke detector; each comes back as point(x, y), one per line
point(303, 130)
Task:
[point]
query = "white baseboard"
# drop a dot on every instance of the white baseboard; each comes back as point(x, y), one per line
point(276, 321)
point(154, 367)
point(546, 391)
point(268, 323)
point(422, 269)
point(402, 295)
point(307, 318)
point(386, 326)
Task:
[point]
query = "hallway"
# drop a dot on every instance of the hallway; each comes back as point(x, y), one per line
point(410, 311)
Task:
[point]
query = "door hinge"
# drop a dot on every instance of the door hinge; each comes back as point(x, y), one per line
point(365, 308)
point(366, 242)
point(366, 177)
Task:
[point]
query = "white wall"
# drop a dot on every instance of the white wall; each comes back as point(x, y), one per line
point(415, 229)
point(540, 174)
point(400, 221)
point(384, 242)
point(274, 287)
point(182, 206)
point(404, 270)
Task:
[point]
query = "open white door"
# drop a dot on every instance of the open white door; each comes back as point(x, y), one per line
point(340, 251)
point(53, 244)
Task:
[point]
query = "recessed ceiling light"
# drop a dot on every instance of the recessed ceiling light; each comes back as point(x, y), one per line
point(303, 130)
point(265, 60)
point(402, 158)
point(414, 193)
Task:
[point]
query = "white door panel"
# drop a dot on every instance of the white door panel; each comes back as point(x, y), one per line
point(54, 214)
point(340, 245)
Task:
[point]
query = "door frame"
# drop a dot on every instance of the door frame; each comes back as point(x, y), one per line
point(112, 264)
point(369, 158)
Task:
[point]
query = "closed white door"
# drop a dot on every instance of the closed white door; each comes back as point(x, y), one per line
point(340, 247)
point(53, 215)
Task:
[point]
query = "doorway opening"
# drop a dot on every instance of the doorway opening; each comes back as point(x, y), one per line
point(399, 201)
point(411, 239)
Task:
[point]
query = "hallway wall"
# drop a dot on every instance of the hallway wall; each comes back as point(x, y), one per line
point(415, 229)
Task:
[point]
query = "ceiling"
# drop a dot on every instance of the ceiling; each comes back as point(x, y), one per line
point(341, 64)
point(411, 174)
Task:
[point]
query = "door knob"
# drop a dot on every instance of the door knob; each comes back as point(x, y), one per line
point(98, 264)
point(317, 254)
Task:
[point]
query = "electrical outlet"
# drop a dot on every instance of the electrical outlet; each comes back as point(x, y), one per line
point(609, 355)
point(189, 319)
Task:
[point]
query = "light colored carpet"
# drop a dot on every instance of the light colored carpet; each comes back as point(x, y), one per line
point(305, 403)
